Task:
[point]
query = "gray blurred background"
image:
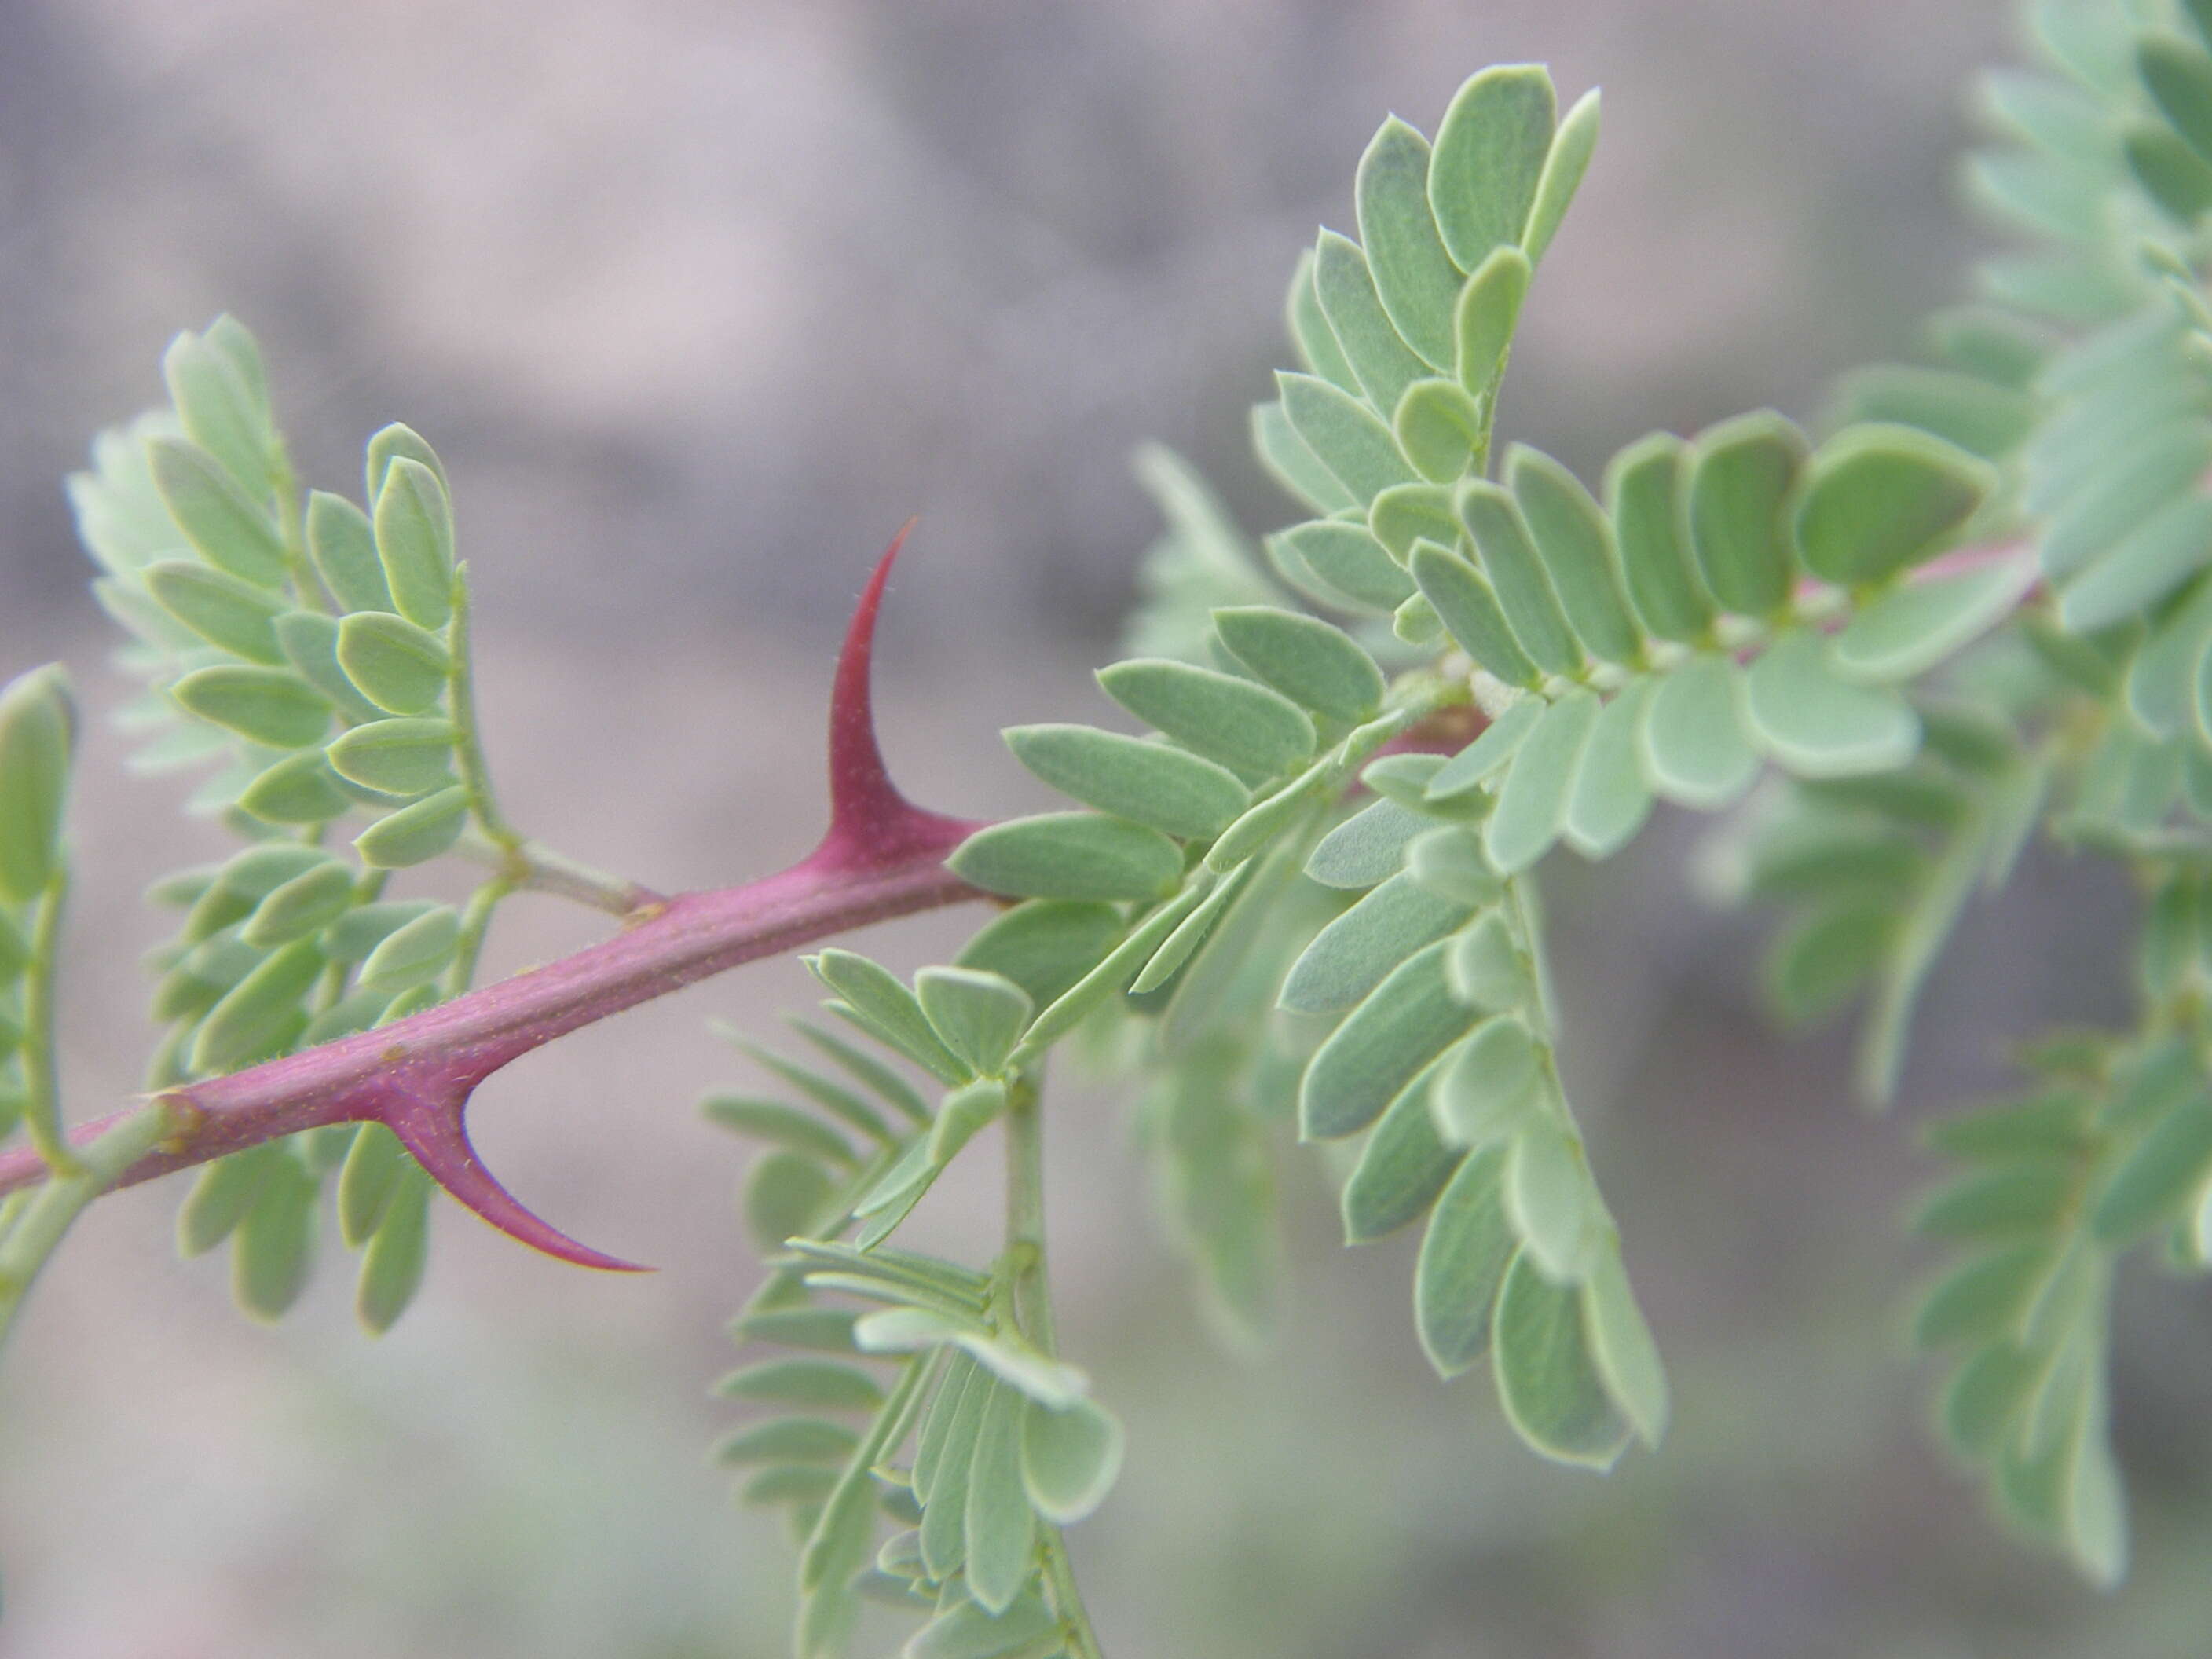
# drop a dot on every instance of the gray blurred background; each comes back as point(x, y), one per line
point(698, 302)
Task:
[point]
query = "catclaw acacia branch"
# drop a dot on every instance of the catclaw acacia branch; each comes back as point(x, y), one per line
point(881, 857)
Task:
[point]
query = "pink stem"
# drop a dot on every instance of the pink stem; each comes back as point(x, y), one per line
point(882, 856)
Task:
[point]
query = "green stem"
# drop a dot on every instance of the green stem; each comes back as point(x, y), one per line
point(530, 867)
point(36, 1226)
point(468, 742)
point(1031, 1303)
point(42, 1109)
point(475, 922)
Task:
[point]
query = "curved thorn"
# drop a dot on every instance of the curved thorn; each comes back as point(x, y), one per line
point(434, 1131)
point(870, 821)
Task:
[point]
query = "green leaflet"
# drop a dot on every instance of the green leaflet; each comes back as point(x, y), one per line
point(1439, 428)
point(1314, 341)
point(305, 904)
point(273, 1246)
point(787, 1440)
point(2008, 1200)
point(1880, 498)
point(826, 1330)
point(1741, 474)
point(1045, 945)
point(1271, 819)
point(1627, 1358)
point(963, 1115)
point(1305, 659)
point(1403, 1164)
point(1488, 312)
point(1916, 625)
point(391, 443)
point(1463, 1259)
point(1069, 1458)
point(367, 1182)
point(833, 1098)
point(1448, 861)
point(415, 833)
point(400, 756)
point(399, 667)
point(1414, 277)
point(1532, 803)
point(1384, 365)
point(260, 1015)
point(1405, 777)
point(944, 1532)
point(225, 527)
point(221, 609)
point(1986, 1395)
point(1490, 154)
point(1982, 419)
point(1818, 724)
point(1576, 539)
point(978, 1016)
point(1984, 1298)
point(1643, 498)
point(807, 1485)
point(2145, 565)
point(2178, 77)
point(1555, 1210)
point(1820, 962)
point(1403, 1024)
point(413, 952)
point(392, 1266)
point(784, 1195)
point(776, 1124)
point(359, 932)
point(1164, 788)
point(965, 1630)
point(1357, 448)
point(219, 411)
point(1215, 1186)
point(1367, 847)
point(1255, 732)
point(1352, 955)
point(910, 1329)
point(819, 1384)
point(2172, 173)
point(300, 789)
point(221, 1195)
point(1695, 750)
point(1070, 856)
point(1995, 345)
point(1294, 466)
point(2056, 1122)
point(2167, 1169)
point(932, 1439)
point(1355, 571)
point(309, 641)
point(414, 528)
point(1610, 800)
point(1564, 167)
point(342, 545)
point(886, 1009)
point(2161, 679)
point(1406, 513)
point(1489, 1086)
point(1548, 1378)
point(1500, 740)
point(1469, 609)
point(269, 706)
point(1516, 574)
point(38, 726)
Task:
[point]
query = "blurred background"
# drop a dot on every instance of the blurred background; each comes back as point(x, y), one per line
point(699, 301)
